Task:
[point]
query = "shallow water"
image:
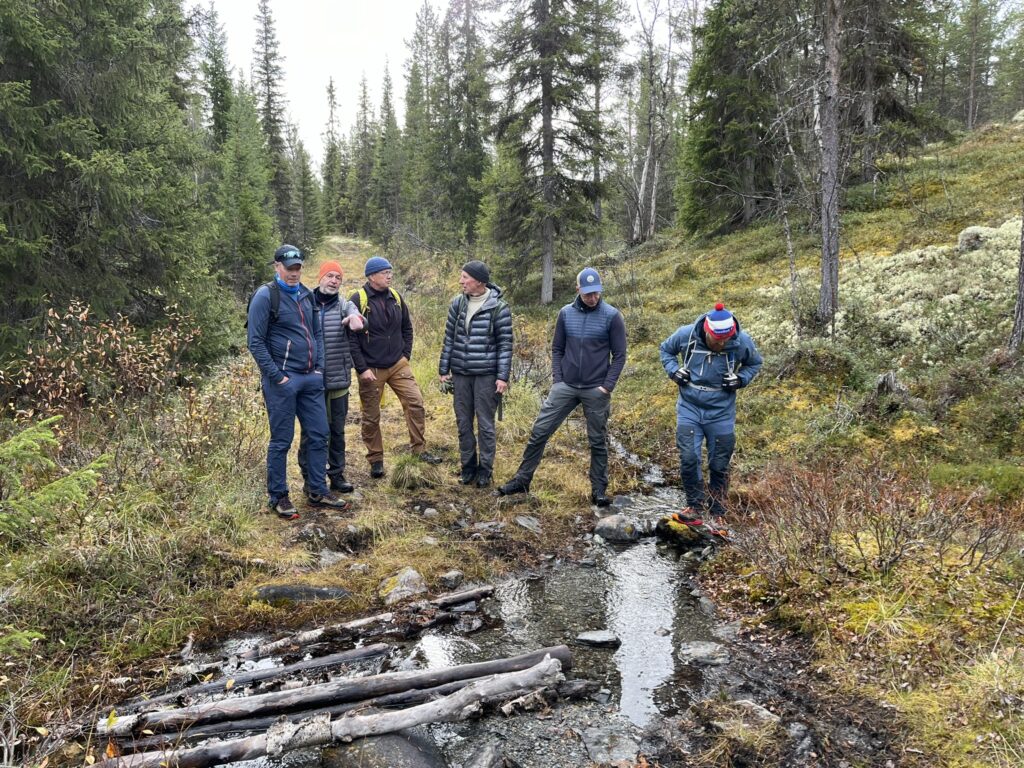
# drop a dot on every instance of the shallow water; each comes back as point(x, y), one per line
point(641, 594)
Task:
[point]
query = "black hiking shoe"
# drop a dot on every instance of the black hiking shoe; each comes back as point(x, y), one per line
point(329, 499)
point(428, 458)
point(483, 478)
point(515, 485)
point(284, 509)
point(600, 499)
point(377, 470)
point(467, 476)
point(341, 485)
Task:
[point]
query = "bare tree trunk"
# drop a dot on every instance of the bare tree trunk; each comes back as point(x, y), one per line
point(1017, 335)
point(971, 107)
point(794, 282)
point(597, 158)
point(828, 300)
point(652, 218)
point(548, 190)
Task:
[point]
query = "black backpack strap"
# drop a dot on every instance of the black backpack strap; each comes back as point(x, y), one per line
point(275, 300)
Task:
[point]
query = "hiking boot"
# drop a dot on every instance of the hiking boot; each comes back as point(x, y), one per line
point(341, 485)
point(284, 509)
point(329, 499)
point(467, 476)
point(483, 478)
point(515, 485)
point(600, 499)
point(377, 470)
point(428, 458)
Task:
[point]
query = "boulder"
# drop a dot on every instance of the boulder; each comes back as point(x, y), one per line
point(972, 238)
point(608, 744)
point(299, 593)
point(617, 528)
point(403, 585)
point(451, 580)
point(599, 638)
point(413, 748)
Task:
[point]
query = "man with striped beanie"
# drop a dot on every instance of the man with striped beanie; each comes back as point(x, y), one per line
point(709, 360)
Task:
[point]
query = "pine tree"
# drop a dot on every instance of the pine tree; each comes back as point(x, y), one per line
point(267, 75)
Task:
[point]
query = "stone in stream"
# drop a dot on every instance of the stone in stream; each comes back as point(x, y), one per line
point(617, 528)
point(490, 755)
point(451, 579)
point(413, 748)
point(599, 638)
point(299, 593)
point(610, 744)
point(702, 653)
point(403, 585)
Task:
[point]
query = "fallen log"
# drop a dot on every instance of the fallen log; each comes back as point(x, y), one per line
point(336, 692)
point(313, 635)
point(318, 730)
point(245, 678)
point(567, 689)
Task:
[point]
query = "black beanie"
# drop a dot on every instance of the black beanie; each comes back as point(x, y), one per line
point(478, 271)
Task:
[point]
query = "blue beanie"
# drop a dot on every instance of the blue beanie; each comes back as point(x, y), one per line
point(376, 264)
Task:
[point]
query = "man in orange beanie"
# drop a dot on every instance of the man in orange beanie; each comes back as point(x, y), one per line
point(336, 314)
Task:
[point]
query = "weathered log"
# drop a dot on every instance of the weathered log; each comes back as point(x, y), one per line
point(313, 635)
point(335, 692)
point(318, 730)
point(322, 662)
point(567, 689)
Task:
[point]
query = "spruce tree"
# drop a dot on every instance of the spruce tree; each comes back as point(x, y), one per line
point(361, 148)
point(386, 176)
point(307, 220)
point(333, 170)
point(267, 74)
point(547, 121)
point(216, 76)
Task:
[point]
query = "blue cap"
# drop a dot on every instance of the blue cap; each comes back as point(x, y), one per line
point(289, 255)
point(376, 264)
point(588, 281)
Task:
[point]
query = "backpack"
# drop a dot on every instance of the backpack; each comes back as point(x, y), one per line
point(275, 302)
point(364, 301)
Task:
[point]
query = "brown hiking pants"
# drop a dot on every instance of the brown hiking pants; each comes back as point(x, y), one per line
point(399, 377)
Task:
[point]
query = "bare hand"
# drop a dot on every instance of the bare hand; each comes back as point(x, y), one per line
point(368, 375)
point(603, 390)
point(500, 387)
point(354, 322)
point(283, 381)
point(446, 377)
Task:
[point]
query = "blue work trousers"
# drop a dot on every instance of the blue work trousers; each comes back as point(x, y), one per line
point(301, 396)
point(721, 441)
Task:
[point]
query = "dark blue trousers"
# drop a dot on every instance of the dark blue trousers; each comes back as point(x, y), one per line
point(721, 440)
point(301, 396)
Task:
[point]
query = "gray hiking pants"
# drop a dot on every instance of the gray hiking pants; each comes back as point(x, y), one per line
point(561, 401)
point(475, 396)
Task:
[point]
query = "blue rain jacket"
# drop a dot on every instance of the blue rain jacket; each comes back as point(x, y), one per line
point(707, 370)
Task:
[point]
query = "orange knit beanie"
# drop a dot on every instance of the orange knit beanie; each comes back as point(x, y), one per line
point(330, 266)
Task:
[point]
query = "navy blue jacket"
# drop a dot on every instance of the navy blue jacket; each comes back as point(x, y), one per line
point(293, 342)
point(589, 347)
point(484, 350)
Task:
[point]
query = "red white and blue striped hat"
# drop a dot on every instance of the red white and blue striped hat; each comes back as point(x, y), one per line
point(720, 323)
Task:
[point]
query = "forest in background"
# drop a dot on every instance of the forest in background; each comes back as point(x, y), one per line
point(141, 170)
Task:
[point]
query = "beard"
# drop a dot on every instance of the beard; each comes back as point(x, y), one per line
point(328, 290)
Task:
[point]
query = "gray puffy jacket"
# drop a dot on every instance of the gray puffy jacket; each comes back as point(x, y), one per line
point(486, 349)
point(337, 357)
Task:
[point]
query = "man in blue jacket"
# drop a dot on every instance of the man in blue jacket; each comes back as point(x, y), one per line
point(709, 360)
point(588, 353)
point(476, 357)
point(285, 339)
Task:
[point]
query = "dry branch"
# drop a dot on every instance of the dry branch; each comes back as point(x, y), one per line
point(318, 730)
point(237, 681)
point(313, 635)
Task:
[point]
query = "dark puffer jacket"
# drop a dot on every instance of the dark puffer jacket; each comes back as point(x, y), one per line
point(337, 357)
point(486, 350)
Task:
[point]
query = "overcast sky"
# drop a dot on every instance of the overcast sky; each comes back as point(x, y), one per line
point(320, 39)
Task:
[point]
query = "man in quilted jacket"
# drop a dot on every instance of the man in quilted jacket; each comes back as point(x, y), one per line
point(476, 360)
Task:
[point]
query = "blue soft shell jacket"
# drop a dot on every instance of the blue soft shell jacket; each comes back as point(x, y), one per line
point(291, 344)
point(589, 346)
point(707, 369)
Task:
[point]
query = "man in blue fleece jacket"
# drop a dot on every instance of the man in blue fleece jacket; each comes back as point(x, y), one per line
point(588, 353)
point(286, 340)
